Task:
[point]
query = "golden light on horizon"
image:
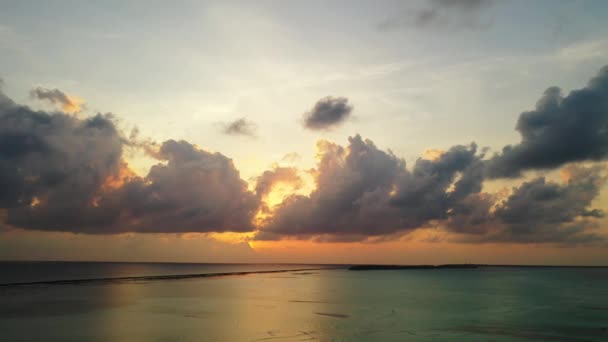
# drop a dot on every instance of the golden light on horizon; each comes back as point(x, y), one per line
point(229, 237)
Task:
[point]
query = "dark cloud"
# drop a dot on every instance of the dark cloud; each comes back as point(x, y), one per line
point(69, 104)
point(344, 177)
point(472, 215)
point(444, 14)
point(327, 113)
point(560, 130)
point(537, 211)
point(59, 172)
point(240, 127)
point(544, 211)
point(55, 158)
point(195, 191)
point(362, 191)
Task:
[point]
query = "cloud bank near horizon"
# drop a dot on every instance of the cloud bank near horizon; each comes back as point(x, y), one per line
point(60, 172)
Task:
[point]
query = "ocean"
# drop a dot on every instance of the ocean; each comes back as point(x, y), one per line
point(307, 302)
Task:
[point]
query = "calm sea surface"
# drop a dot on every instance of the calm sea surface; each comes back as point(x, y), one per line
point(485, 304)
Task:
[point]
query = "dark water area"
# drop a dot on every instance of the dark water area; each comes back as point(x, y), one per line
point(474, 304)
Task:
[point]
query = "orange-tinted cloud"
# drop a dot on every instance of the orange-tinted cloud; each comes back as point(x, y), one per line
point(67, 173)
point(116, 181)
point(73, 170)
point(69, 104)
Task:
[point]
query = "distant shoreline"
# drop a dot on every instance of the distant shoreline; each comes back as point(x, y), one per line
point(454, 266)
point(362, 267)
point(329, 265)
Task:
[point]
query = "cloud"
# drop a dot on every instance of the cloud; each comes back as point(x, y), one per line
point(291, 158)
point(55, 159)
point(327, 113)
point(432, 153)
point(544, 211)
point(441, 14)
point(561, 129)
point(195, 191)
point(69, 104)
point(241, 127)
point(362, 191)
point(269, 178)
point(63, 173)
point(537, 211)
point(59, 172)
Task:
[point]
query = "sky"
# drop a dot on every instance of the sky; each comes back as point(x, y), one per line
point(413, 132)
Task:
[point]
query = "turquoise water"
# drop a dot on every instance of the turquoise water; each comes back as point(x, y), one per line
point(485, 304)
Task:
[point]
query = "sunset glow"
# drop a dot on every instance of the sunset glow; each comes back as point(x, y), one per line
point(431, 130)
